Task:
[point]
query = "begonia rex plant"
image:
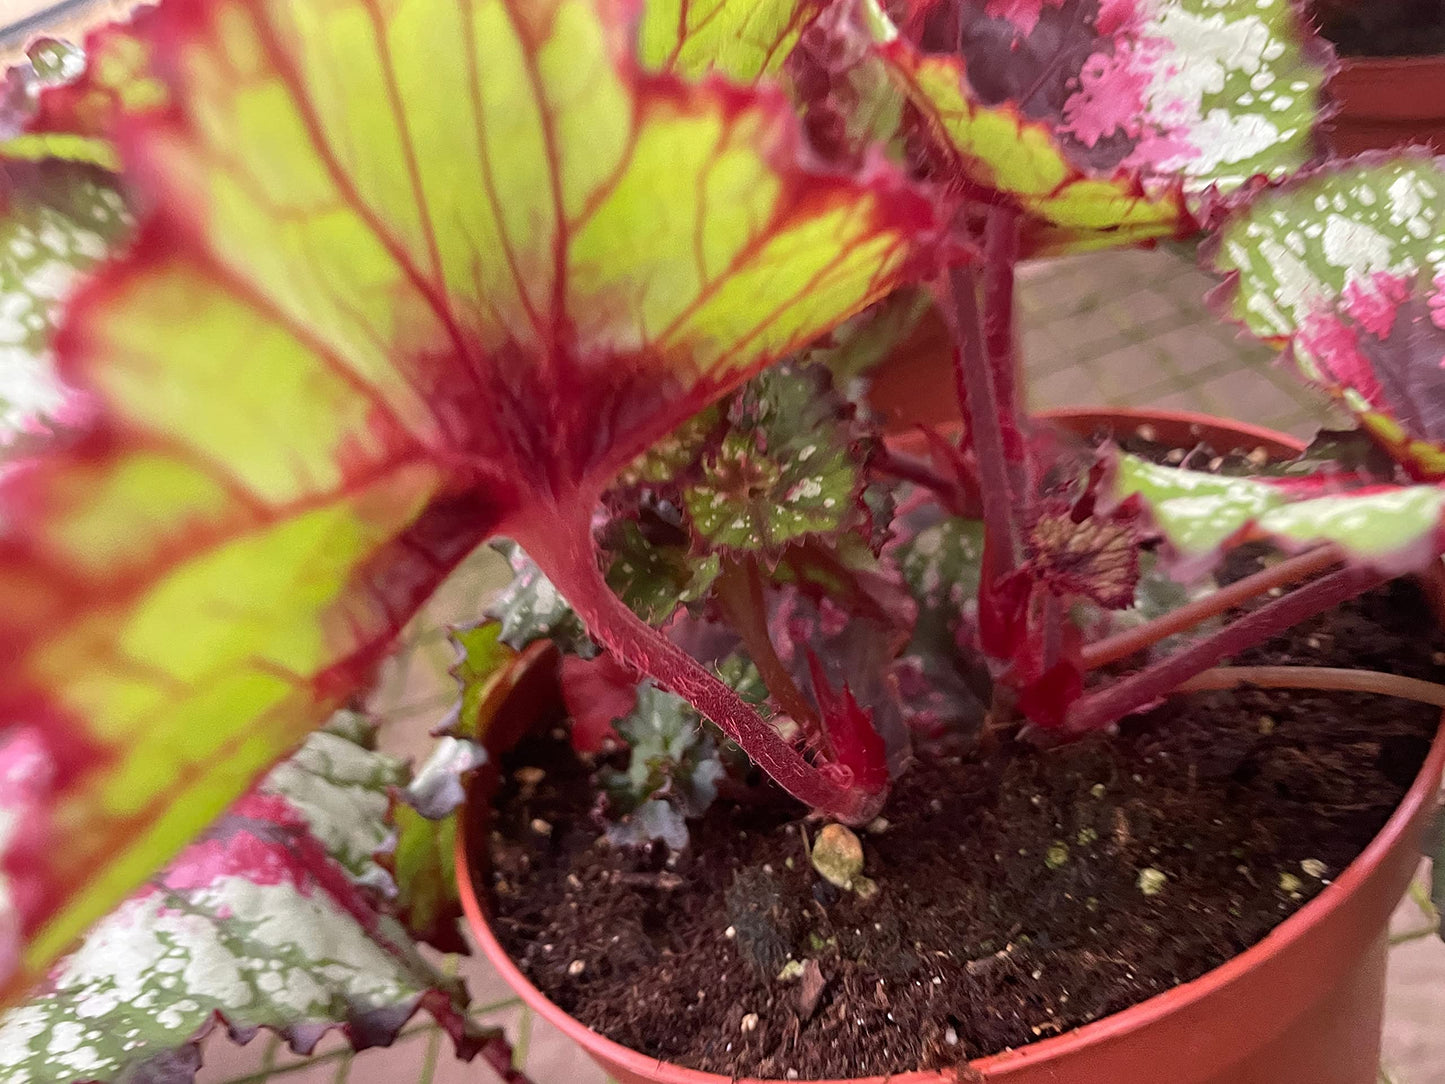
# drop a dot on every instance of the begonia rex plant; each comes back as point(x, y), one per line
point(339, 290)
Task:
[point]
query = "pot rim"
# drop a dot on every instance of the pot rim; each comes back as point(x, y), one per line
point(1135, 1018)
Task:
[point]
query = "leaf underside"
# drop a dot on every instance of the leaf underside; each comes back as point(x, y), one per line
point(393, 234)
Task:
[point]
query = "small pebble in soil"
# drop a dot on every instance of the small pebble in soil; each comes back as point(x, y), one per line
point(750, 1023)
point(576, 967)
point(1151, 881)
point(541, 827)
point(838, 855)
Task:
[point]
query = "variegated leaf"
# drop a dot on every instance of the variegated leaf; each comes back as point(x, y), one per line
point(1395, 529)
point(57, 219)
point(1115, 116)
point(263, 923)
point(1347, 268)
point(416, 274)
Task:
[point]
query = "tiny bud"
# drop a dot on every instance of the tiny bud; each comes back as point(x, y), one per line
point(1057, 856)
point(1313, 867)
point(750, 1022)
point(1097, 790)
point(576, 967)
point(1289, 883)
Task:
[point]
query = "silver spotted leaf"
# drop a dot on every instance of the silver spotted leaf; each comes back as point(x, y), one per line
point(530, 608)
point(1346, 268)
point(790, 467)
point(58, 219)
point(257, 924)
point(1394, 529)
point(1110, 121)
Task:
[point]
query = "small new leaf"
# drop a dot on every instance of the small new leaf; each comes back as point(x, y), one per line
point(672, 756)
point(789, 467)
point(423, 860)
point(531, 609)
point(654, 579)
point(1096, 557)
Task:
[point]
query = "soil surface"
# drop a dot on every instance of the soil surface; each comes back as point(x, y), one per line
point(1020, 893)
point(1009, 904)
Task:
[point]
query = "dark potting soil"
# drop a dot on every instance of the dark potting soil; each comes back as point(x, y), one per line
point(1384, 27)
point(1020, 894)
point(1009, 906)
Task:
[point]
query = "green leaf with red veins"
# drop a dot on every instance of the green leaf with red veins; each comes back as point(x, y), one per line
point(76, 97)
point(745, 40)
point(58, 220)
point(787, 469)
point(414, 275)
point(1346, 267)
point(654, 580)
point(1395, 529)
point(1111, 115)
point(259, 924)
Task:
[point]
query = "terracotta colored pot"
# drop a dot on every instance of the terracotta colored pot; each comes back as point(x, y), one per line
point(1386, 101)
point(1304, 1006)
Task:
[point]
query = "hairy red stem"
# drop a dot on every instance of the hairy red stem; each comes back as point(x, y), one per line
point(1123, 644)
point(1119, 698)
point(978, 401)
point(1326, 678)
point(562, 546)
point(1001, 253)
